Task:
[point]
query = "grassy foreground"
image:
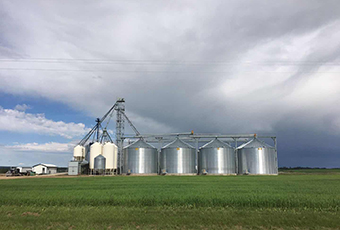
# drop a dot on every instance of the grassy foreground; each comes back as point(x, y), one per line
point(192, 202)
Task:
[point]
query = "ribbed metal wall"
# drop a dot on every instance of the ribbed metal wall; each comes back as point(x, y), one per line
point(140, 158)
point(216, 157)
point(257, 157)
point(99, 163)
point(178, 157)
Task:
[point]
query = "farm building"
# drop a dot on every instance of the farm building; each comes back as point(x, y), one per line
point(23, 169)
point(42, 168)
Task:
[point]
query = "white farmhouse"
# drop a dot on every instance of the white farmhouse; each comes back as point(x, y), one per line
point(42, 168)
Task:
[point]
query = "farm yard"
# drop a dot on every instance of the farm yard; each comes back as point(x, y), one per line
point(308, 200)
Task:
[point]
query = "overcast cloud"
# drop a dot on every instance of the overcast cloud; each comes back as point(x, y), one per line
point(209, 66)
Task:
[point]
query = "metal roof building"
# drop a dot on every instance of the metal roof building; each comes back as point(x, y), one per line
point(43, 168)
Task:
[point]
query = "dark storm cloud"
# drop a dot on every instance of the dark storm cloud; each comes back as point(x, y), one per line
point(208, 66)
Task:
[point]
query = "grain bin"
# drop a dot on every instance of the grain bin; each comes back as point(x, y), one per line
point(110, 153)
point(99, 164)
point(257, 157)
point(95, 150)
point(216, 157)
point(178, 157)
point(79, 153)
point(140, 158)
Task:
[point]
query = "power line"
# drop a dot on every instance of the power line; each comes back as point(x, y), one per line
point(152, 71)
point(109, 71)
point(159, 62)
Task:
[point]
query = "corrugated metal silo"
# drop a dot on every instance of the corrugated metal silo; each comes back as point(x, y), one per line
point(178, 157)
point(216, 157)
point(95, 150)
point(140, 158)
point(110, 153)
point(99, 164)
point(257, 157)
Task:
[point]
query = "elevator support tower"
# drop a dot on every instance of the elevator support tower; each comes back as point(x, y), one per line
point(120, 109)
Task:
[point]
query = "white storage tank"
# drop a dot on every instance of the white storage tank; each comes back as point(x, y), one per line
point(95, 150)
point(110, 153)
point(79, 153)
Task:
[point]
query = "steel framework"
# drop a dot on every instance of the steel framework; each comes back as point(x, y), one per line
point(120, 108)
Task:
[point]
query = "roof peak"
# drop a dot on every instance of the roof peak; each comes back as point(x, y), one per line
point(178, 143)
point(139, 144)
point(47, 165)
point(216, 143)
point(255, 143)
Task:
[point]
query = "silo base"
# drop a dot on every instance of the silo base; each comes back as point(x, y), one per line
point(249, 174)
point(219, 174)
point(180, 174)
point(140, 174)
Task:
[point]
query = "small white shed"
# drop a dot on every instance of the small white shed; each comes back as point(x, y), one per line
point(42, 168)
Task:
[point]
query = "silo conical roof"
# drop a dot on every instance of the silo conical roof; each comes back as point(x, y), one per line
point(178, 144)
point(216, 143)
point(99, 157)
point(139, 144)
point(255, 143)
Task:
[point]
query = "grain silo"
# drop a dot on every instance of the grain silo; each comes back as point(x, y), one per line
point(79, 153)
point(216, 157)
point(99, 164)
point(256, 157)
point(95, 150)
point(140, 158)
point(178, 157)
point(110, 153)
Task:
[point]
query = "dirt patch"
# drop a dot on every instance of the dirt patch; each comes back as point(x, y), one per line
point(57, 175)
point(30, 214)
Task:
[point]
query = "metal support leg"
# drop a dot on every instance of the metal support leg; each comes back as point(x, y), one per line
point(160, 145)
point(236, 157)
point(275, 145)
point(196, 139)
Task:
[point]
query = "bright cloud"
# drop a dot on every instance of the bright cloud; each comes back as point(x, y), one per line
point(46, 147)
point(22, 122)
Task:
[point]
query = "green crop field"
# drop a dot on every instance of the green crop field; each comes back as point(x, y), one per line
point(310, 201)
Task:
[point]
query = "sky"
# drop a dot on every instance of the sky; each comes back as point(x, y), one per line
point(229, 67)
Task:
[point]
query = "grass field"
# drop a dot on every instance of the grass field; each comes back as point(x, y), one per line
point(310, 201)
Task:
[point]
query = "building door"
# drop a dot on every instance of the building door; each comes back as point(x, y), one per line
point(43, 170)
